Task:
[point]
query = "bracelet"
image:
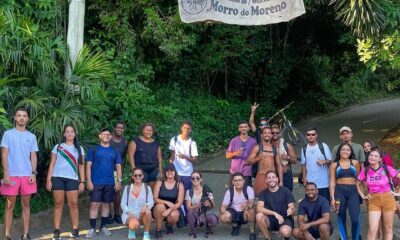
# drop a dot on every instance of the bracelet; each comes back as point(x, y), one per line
point(82, 182)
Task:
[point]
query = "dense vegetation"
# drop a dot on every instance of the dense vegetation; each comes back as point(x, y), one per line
point(142, 64)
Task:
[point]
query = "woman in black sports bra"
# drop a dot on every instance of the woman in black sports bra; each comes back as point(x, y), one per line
point(168, 198)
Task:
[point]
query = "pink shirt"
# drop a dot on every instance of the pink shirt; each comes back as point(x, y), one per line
point(238, 198)
point(377, 181)
point(238, 162)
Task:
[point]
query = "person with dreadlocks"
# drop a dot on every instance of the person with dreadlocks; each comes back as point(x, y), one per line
point(66, 177)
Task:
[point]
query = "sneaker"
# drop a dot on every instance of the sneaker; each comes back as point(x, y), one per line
point(146, 237)
point(192, 234)
point(110, 220)
point(74, 234)
point(131, 234)
point(91, 233)
point(252, 236)
point(158, 235)
point(26, 237)
point(170, 230)
point(105, 231)
point(235, 230)
point(56, 234)
point(117, 219)
point(209, 232)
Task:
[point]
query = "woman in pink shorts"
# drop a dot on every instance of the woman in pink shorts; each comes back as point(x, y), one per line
point(381, 202)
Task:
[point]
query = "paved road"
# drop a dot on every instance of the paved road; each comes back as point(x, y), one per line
point(371, 121)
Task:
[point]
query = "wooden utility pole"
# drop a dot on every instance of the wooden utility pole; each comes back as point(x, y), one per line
point(76, 20)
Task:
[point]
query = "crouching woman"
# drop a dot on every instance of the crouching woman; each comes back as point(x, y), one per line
point(136, 203)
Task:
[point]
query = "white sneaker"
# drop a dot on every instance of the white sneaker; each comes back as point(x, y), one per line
point(91, 233)
point(106, 232)
point(146, 237)
point(131, 234)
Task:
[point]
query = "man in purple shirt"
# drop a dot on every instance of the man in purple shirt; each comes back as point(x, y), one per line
point(239, 149)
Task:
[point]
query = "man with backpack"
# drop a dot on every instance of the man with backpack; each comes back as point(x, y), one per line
point(239, 149)
point(287, 154)
point(238, 206)
point(315, 160)
point(102, 159)
point(265, 155)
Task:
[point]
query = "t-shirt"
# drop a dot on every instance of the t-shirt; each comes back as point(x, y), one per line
point(316, 173)
point(357, 149)
point(377, 181)
point(314, 209)
point(121, 147)
point(187, 147)
point(67, 165)
point(238, 198)
point(20, 145)
point(196, 198)
point(238, 162)
point(277, 201)
point(103, 164)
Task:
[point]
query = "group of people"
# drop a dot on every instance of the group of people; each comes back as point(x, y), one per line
point(174, 194)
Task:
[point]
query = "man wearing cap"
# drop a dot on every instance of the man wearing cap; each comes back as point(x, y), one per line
point(263, 123)
point(346, 136)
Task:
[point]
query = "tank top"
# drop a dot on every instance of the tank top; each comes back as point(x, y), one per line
point(170, 195)
point(146, 154)
point(121, 147)
point(350, 172)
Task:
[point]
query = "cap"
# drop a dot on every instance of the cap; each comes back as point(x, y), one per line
point(344, 128)
point(169, 166)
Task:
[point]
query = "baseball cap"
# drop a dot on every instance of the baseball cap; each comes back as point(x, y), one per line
point(344, 128)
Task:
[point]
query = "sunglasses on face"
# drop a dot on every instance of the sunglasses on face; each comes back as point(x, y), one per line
point(264, 125)
point(311, 134)
point(274, 133)
point(137, 175)
point(196, 178)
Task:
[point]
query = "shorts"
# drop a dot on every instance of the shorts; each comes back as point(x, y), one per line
point(19, 185)
point(150, 175)
point(274, 224)
point(237, 217)
point(288, 179)
point(66, 184)
point(314, 230)
point(381, 202)
point(102, 193)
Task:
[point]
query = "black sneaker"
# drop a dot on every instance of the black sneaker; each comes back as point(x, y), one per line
point(74, 234)
point(26, 237)
point(192, 234)
point(110, 220)
point(236, 230)
point(56, 234)
point(170, 230)
point(117, 219)
point(252, 236)
point(158, 235)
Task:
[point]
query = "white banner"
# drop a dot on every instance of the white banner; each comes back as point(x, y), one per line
point(240, 12)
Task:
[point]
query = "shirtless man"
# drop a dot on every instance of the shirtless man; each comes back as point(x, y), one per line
point(267, 161)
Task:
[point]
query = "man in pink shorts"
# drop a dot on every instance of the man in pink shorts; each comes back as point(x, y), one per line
point(19, 161)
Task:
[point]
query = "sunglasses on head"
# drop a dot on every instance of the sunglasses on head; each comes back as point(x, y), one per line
point(196, 178)
point(137, 175)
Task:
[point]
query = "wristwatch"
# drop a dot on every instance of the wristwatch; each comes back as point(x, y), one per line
point(34, 172)
point(119, 180)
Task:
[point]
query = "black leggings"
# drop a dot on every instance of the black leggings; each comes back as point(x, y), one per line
point(348, 197)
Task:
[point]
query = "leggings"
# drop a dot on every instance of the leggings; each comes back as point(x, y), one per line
point(348, 197)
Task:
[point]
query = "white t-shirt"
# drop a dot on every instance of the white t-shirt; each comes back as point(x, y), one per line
point(67, 165)
point(187, 147)
point(20, 145)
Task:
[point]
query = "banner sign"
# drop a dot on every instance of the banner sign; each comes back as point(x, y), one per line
point(240, 12)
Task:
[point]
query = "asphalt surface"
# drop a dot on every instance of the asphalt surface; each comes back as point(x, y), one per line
point(371, 121)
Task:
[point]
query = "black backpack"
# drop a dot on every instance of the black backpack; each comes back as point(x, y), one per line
point(304, 150)
point(254, 167)
point(232, 192)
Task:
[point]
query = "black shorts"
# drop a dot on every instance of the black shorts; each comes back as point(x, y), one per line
point(66, 184)
point(237, 217)
point(102, 193)
point(315, 231)
point(274, 224)
point(150, 175)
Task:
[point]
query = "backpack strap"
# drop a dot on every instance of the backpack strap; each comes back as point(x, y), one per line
point(286, 147)
point(146, 189)
point(245, 192)
point(322, 149)
point(191, 193)
point(384, 166)
point(304, 149)
point(128, 189)
point(231, 193)
point(260, 148)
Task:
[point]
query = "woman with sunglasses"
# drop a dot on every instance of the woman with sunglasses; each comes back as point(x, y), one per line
point(199, 200)
point(168, 199)
point(66, 177)
point(381, 201)
point(343, 174)
point(145, 153)
point(136, 203)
